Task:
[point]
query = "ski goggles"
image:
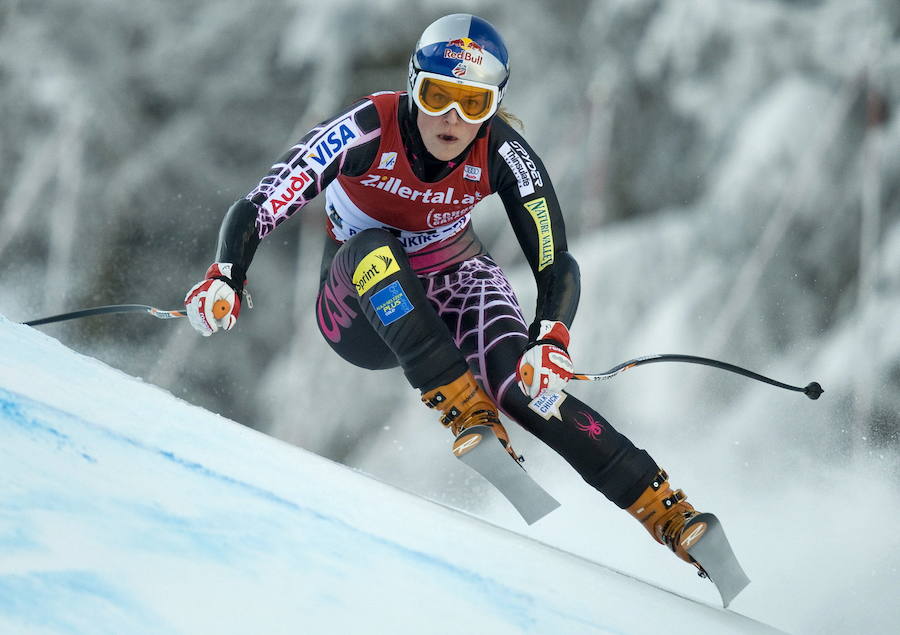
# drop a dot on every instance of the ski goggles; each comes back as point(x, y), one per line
point(436, 94)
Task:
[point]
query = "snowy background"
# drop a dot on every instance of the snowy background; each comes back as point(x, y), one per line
point(729, 174)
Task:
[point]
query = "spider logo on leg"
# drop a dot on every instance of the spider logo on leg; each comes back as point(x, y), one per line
point(593, 427)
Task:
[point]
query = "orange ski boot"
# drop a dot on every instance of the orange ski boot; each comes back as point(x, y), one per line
point(464, 404)
point(664, 513)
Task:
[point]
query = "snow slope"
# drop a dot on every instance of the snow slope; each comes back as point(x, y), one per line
point(125, 510)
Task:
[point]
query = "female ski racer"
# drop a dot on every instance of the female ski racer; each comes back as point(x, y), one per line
point(405, 279)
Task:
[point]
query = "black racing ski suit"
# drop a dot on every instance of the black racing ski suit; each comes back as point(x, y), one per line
point(449, 305)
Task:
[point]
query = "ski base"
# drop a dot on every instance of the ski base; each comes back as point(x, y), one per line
point(479, 448)
point(715, 556)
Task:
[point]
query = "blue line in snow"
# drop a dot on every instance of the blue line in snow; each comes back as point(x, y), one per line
point(27, 413)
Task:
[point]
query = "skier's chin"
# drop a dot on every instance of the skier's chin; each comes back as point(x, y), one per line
point(446, 136)
point(446, 146)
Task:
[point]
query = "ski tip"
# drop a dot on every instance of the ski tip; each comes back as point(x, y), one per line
point(715, 556)
point(498, 467)
point(532, 516)
point(728, 594)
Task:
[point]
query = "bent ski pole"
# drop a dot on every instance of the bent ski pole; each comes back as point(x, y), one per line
point(220, 308)
point(813, 390)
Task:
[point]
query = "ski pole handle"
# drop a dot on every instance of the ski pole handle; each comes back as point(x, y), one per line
point(526, 373)
point(221, 309)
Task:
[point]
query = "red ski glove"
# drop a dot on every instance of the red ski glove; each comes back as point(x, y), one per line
point(213, 303)
point(545, 365)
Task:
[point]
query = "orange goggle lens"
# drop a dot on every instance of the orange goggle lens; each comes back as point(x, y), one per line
point(436, 96)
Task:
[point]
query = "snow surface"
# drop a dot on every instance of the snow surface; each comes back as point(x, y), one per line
point(126, 510)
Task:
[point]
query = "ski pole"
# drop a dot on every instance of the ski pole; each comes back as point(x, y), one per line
point(220, 308)
point(813, 390)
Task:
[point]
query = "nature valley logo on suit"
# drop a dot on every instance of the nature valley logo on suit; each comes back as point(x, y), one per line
point(540, 214)
point(375, 267)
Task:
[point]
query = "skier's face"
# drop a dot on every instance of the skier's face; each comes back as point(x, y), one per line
point(445, 136)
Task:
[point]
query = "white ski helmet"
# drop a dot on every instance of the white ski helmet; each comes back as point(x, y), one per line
point(459, 62)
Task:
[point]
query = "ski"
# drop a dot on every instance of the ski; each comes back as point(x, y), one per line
point(479, 448)
point(705, 541)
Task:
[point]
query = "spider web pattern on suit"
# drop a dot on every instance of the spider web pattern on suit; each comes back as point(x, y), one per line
point(478, 304)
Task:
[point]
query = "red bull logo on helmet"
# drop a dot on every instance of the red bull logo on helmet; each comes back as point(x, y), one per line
point(466, 43)
point(470, 50)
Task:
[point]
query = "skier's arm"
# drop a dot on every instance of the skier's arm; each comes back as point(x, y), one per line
point(344, 144)
point(519, 177)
